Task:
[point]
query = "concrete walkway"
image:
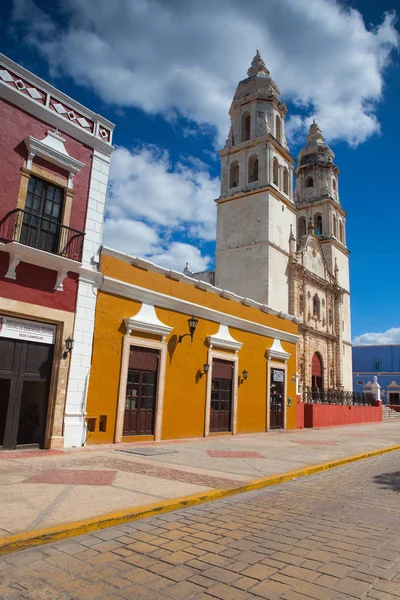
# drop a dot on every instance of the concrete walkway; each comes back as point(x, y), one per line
point(40, 489)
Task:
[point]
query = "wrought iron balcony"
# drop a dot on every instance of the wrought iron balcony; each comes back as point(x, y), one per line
point(331, 396)
point(44, 234)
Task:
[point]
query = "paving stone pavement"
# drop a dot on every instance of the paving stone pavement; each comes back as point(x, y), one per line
point(330, 536)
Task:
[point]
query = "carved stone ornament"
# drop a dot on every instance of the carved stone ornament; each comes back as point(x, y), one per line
point(52, 149)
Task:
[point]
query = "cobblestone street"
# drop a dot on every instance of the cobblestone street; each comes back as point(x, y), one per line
point(330, 536)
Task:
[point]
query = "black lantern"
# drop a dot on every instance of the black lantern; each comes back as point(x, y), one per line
point(69, 346)
point(192, 322)
point(245, 375)
point(205, 369)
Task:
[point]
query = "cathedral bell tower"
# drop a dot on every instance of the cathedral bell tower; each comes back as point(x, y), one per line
point(319, 210)
point(255, 210)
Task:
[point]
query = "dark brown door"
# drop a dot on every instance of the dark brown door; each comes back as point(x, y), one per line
point(141, 390)
point(316, 372)
point(221, 395)
point(25, 370)
point(277, 399)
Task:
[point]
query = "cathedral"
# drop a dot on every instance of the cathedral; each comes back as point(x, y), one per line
point(283, 246)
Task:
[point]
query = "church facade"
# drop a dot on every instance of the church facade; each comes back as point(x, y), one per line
point(280, 245)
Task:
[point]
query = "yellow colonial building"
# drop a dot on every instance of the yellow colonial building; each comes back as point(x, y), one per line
point(175, 357)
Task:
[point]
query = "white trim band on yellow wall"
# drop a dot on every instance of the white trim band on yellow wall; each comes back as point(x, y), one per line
point(135, 292)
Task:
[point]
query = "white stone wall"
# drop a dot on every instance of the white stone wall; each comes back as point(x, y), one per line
point(81, 356)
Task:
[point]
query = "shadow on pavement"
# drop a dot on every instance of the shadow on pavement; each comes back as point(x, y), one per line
point(389, 480)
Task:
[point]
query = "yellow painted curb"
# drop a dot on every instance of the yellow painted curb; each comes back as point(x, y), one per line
point(22, 541)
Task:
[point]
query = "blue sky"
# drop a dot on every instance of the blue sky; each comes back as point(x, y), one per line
point(165, 72)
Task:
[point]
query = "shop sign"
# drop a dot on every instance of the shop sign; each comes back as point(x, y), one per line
point(277, 375)
point(30, 331)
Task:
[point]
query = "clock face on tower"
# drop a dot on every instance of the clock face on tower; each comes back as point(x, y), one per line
point(309, 193)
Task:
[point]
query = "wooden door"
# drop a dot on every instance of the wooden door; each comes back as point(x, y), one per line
point(316, 372)
point(141, 390)
point(25, 371)
point(221, 396)
point(277, 399)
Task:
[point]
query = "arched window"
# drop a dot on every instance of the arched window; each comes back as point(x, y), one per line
point(318, 224)
point(301, 303)
point(334, 226)
point(285, 180)
point(301, 227)
point(316, 306)
point(245, 127)
point(234, 174)
point(310, 182)
point(275, 167)
point(334, 185)
point(341, 231)
point(278, 132)
point(253, 168)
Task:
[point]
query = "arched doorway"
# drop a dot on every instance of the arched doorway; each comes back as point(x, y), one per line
point(316, 372)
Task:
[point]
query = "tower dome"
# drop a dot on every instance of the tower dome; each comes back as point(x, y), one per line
point(316, 151)
point(258, 80)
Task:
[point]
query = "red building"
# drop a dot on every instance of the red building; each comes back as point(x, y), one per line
point(55, 156)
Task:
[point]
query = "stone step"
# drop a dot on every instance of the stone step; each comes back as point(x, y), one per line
point(389, 413)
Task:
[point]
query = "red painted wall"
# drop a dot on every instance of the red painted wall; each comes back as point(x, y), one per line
point(328, 415)
point(299, 413)
point(35, 285)
point(15, 126)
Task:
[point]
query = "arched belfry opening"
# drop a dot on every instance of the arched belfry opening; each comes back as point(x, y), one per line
point(246, 127)
point(253, 168)
point(317, 379)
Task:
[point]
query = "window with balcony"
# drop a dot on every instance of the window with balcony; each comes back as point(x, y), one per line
point(377, 365)
point(39, 225)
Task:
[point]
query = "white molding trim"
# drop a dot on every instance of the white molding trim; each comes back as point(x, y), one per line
point(134, 292)
point(223, 339)
point(277, 352)
point(130, 340)
point(146, 320)
point(52, 149)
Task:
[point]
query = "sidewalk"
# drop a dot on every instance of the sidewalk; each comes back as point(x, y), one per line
point(46, 488)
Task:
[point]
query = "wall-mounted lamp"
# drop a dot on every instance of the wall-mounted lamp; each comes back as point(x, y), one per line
point(205, 370)
point(289, 402)
point(245, 375)
point(69, 346)
point(192, 322)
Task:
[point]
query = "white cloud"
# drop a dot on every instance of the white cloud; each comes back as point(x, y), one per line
point(150, 200)
point(391, 336)
point(186, 58)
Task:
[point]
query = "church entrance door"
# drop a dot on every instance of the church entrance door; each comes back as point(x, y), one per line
point(316, 372)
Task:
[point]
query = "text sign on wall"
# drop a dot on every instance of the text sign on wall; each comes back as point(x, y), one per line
point(277, 375)
point(30, 331)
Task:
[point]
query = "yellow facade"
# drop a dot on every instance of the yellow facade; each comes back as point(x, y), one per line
point(183, 396)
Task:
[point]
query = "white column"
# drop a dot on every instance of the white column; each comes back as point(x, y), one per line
point(89, 281)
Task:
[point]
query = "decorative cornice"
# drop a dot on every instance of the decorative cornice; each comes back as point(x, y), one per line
point(37, 97)
point(147, 265)
point(223, 339)
point(264, 188)
point(134, 292)
point(146, 320)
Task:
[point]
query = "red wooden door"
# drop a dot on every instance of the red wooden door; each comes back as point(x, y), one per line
point(221, 395)
point(316, 370)
point(141, 390)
